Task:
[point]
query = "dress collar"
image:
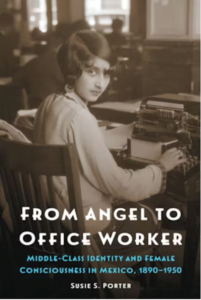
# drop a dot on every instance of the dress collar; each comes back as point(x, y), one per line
point(73, 96)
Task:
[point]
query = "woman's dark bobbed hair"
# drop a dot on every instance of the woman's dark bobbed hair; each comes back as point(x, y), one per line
point(79, 50)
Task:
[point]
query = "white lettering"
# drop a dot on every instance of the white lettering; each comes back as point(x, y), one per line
point(85, 240)
point(165, 241)
point(90, 215)
point(151, 239)
point(139, 239)
point(23, 214)
point(133, 217)
point(52, 240)
point(106, 238)
point(27, 233)
point(178, 214)
point(129, 241)
point(159, 213)
point(177, 239)
point(69, 216)
point(122, 217)
point(37, 214)
point(53, 218)
point(69, 239)
point(105, 214)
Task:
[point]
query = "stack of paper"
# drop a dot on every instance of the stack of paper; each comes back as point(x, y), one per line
point(27, 113)
point(25, 118)
point(116, 139)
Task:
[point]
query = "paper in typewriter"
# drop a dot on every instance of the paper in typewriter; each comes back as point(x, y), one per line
point(116, 139)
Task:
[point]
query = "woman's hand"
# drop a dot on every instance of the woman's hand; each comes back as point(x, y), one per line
point(172, 158)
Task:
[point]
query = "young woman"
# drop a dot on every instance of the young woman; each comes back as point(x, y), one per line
point(86, 61)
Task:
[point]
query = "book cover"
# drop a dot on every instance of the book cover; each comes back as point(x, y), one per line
point(82, 216)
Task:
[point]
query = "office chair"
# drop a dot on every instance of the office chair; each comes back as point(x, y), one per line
point(27, 171)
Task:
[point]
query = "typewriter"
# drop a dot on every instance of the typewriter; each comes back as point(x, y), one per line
point(164, 123)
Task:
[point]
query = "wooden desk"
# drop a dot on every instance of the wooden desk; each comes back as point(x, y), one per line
point(118, 112)
point(192, 201)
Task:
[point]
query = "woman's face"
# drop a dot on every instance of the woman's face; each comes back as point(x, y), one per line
point(93, 81)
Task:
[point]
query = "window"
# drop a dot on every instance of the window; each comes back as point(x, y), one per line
point(109, 4)
point(184, 16)
point(100, 13)
point(54, 12)
point(37, 12)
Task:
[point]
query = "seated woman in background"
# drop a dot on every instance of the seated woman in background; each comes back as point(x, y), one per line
point(116, 38)
point(86, 61)
point(41, 76)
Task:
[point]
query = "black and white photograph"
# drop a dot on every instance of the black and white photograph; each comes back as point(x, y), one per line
point(100, 149)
